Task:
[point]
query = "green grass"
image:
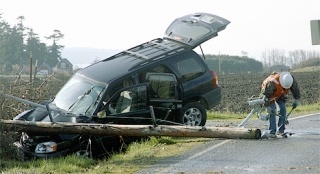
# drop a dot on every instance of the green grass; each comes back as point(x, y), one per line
point(69, 164)
point(225, 116)
point(306, 109)
point(137, 156)
point(308, 69)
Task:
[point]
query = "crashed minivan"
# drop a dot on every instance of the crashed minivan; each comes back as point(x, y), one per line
point(163, 78)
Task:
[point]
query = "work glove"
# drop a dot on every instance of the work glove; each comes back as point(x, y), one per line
point(295, 103)
point(286, 121)
point(266, 101)
point(269, 110)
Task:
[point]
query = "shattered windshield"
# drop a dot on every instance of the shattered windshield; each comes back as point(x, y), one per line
point(79, 95)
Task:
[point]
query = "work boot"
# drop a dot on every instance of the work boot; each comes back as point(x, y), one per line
point(280, 133)
point(273, 136)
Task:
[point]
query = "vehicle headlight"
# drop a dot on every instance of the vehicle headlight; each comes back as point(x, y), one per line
point(46, 147)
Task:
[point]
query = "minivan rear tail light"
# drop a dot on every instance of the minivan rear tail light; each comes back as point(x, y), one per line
point(215, 79)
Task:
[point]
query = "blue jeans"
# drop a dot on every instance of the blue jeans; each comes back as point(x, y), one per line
point(282, 117)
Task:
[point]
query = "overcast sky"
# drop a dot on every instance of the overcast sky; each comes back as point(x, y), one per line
point(256, 25)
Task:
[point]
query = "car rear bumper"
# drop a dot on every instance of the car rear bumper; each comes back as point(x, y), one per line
point(213, 98)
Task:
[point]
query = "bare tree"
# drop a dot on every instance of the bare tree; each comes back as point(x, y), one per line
point(264, 59)
point(313, 54)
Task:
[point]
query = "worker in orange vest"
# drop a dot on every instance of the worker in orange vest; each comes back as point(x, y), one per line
point(274, 90)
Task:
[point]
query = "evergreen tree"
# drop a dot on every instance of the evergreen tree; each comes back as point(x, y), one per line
point(55, 49)
point(33, 47)
point(16, 47)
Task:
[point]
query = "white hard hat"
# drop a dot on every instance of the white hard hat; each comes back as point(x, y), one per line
point(286, 80)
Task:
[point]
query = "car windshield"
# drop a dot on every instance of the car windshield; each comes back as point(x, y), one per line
point(79, 95)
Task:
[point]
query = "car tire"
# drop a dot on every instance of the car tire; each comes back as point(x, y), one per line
point(193, 114)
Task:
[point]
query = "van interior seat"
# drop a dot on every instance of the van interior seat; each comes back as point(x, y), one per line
point(124, 104)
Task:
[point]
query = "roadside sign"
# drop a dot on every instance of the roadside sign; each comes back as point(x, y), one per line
point(315, 31)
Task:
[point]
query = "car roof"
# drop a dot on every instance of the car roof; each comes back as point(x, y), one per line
point(133, 58)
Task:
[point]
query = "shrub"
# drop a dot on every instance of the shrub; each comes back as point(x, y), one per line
point(38, 90)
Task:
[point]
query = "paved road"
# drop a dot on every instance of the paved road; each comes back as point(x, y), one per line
point(299, 153)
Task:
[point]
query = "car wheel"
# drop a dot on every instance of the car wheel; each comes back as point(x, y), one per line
point(193, 114)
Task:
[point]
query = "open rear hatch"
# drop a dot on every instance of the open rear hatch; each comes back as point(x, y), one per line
point(194, 29)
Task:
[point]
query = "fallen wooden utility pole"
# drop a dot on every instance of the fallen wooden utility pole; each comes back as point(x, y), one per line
point(129, 130)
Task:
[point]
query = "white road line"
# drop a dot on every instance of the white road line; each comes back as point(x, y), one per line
point(209, 149)
point(302, 116)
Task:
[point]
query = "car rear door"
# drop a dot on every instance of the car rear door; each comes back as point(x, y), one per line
point(194, 29)
point(163, 94)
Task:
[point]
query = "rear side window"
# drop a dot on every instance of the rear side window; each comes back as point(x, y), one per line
point(156, 69)
point(163, 85)
point(189, 68)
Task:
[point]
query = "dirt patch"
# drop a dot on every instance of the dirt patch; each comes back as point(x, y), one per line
point(237, 88)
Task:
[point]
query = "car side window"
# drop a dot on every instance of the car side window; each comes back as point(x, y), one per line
point(156, 69)
point(162, 85)
point(189, 68)
point(117, 86)
point(129, 100)
point(122, 84)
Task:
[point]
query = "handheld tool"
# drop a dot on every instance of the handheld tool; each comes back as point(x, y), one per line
point(286, 121)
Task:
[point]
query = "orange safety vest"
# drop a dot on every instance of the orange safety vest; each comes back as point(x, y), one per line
point(275, 78)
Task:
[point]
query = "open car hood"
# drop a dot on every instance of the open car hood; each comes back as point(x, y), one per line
point(194, 29)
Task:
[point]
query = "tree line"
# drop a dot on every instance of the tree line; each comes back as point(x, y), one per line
point(292, 59)
point(226, 64)
point(21, 47)
point(273, 60)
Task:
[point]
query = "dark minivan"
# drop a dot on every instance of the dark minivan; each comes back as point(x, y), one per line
point(163, 81)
